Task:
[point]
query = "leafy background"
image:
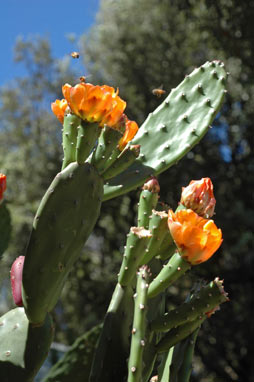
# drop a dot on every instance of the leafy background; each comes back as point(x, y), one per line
point(137, 46)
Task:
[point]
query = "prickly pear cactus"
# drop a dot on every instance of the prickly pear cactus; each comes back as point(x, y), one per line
point(64, 220)
point(174, 127)
point(23, 347)
point(77, 360)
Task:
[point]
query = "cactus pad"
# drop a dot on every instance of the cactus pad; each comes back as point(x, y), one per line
point(23, 348)
point(174, 127)
point(64, 220)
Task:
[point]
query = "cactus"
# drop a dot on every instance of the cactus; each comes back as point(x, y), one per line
point(77, 360)
point(101, 156)
point(206, 299)
point(138, 338)
point(66, 217)
point(174, 127)
point(23, 347)
point(175, 268)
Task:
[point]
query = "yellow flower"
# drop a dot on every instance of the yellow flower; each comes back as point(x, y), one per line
point(92, 103)
point(196, 238)
point(58, 107)
point(198, 196)
point(131, 129)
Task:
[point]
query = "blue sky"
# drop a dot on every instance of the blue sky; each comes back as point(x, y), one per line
point(50, 18)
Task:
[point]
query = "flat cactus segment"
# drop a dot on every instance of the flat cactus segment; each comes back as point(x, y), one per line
point(174, 127)
point(109, 363)
point(23, 348)
point(123, 161)
point(107, 142)
point(178, 334)
point(159, 229)
point(88, 133)
point(5, 227)
point(138, 338)
point(77, 360)
point(175, 268)
point(207, 299)
point(135, 248)
point(64, 220)
point(70, 133)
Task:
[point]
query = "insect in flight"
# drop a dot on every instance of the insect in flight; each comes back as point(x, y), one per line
point(83, 79)
point(75, 54)
point(158, 92)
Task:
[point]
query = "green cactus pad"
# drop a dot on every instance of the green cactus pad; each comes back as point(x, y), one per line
point(207, 299)
point(107, 142)
point(110, 361)
point(64, 220)
point(159, 229)
point(174, 127)
point(122, 162)
point(77, 360)
point(136, 245)
point(88, 133)
point(5, 227)
point(178, 334)
point(175, 268)
point(70, 133)
point(23, 348)
point(138, 338)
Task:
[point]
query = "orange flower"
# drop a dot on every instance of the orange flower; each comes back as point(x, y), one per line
point(58, 107)
point(2, 185)
point(95, 103)
point(198, 196)
point(131, 129)
point(196, 238)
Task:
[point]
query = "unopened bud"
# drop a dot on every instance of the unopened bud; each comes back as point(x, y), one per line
point(2, 185)
point(16, 280)
point(152, 185)
point(199, 197)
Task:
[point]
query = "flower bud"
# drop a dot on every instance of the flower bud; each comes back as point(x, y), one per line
point(16, 280)
point(152, 185)
point(2, 185)
point(199, 197)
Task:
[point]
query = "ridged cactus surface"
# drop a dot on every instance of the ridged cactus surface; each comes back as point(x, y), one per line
point(64, 220)
point(23, 348)
point(174, 127)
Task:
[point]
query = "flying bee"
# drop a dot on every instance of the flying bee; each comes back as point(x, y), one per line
point(83, 79)
point(158, 92)
point(75, 54)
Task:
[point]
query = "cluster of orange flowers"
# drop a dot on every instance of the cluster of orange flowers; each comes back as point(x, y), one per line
point(2, 185)
point(100, 104)
point(197, 238)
